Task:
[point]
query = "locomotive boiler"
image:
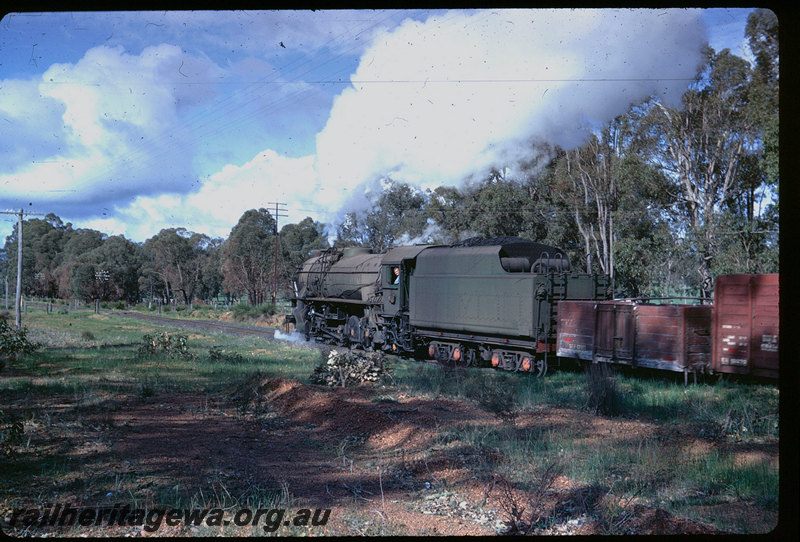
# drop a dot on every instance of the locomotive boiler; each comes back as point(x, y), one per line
point(489, 301)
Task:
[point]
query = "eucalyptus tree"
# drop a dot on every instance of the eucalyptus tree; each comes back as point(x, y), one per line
point(212, 259)
point(762, 34)
point(249, 256)
point(176, 257)
point(116, 267)
point(43, 243)
point(445, 207)
point(498, 207)
point(586, 180)
point(396, 213)
point(76, 243)
point(701, 147)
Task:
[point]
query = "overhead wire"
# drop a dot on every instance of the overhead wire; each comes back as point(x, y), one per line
point(228, 113)
point(298, 78)
point(226, 108)
point(230, 107)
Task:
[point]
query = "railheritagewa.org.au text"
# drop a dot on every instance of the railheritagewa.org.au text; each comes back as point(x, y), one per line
point(65, 516)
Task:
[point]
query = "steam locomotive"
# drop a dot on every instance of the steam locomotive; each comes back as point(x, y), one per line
point(481, 301)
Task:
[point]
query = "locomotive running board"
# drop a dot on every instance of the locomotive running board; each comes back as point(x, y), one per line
point(338, 300)
point(526, 344)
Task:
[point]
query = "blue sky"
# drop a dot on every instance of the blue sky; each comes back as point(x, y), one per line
point(133, 122)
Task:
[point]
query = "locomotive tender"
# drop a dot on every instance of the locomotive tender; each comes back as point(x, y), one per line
point(481, 300)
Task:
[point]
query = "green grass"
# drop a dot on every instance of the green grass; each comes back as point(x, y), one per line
point(91, 361)
point(743, 411)
point(631, 468)
point(110, 364)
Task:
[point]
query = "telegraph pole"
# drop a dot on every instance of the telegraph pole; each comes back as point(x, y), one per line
point(18, 304)
point(279, 208)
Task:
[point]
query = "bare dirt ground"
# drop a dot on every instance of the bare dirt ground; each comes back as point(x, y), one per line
point(379, 466)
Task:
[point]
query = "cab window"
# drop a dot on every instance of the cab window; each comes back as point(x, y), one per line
point(392, 274)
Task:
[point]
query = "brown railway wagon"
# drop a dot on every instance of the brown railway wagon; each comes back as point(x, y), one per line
point(666, 337)
point(745, 328)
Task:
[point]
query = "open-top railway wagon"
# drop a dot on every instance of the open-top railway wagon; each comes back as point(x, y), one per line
point(665, 337)
point(736, 335)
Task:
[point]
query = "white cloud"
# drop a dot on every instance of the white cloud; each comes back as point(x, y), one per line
point(119, 133)
point(220, 201)
point(28, 120)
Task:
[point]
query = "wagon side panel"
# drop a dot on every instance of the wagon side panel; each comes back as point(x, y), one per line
point(746, 325)
point(575, 329)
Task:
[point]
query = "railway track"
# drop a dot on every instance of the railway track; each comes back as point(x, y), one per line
point(230, 328)
point(202, 325)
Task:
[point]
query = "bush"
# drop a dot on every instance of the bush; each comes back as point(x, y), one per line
point(242, 311)
point(11, 431)
point(175, 346)
point(215, 353)
point(495, 395)
point(500, 398)
point(14, 341)
point(602, 393)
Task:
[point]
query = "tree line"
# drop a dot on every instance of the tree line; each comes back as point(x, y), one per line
point(661, 198)
point(178, 265)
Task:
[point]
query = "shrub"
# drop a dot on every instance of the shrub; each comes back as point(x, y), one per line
point(11, 431)
point(496, 396)
point(14, 341)
point(147, 388)
point(514, 506)
point(242, 311)
point(175, 346)
point(215, 353)
point(602, 393)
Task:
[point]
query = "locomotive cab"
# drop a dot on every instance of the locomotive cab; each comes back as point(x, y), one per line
point(393, 283)
point(397, 268)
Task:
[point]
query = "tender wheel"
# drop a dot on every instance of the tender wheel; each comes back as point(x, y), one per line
point(541, 367)
point(469, 357)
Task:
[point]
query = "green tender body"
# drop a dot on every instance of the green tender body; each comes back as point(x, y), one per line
point(467, 290)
